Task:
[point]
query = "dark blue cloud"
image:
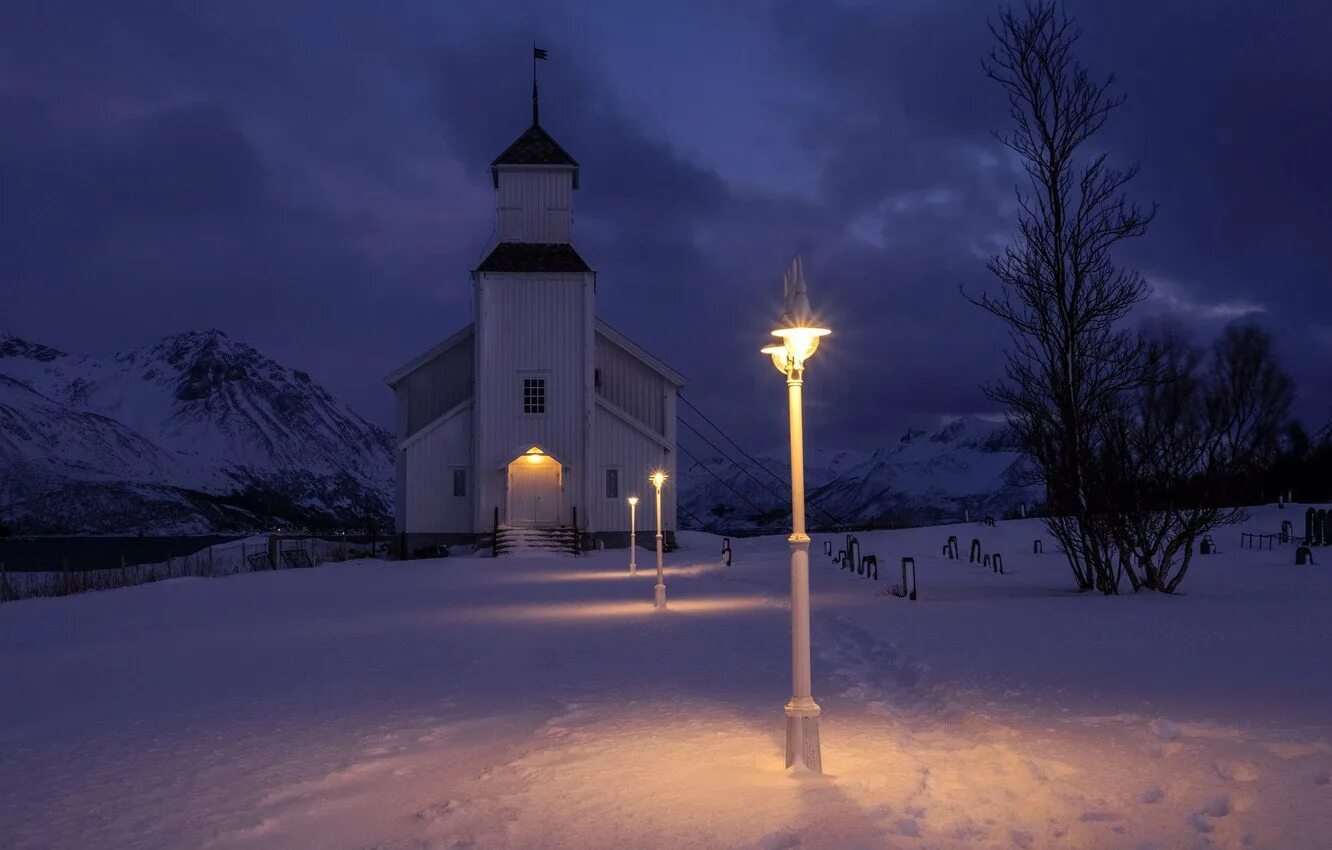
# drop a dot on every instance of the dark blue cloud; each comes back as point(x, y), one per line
point(313, 178)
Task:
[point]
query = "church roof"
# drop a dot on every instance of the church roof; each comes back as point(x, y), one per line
point(559, 257)
point(534, 147)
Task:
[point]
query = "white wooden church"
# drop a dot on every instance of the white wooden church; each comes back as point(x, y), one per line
point(537, 412)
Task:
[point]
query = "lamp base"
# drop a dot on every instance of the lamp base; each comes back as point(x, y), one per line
point(633, 569)
point(803, 751)
point(659, 596)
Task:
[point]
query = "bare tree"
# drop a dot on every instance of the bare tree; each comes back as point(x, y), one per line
point(1183, 455)
point(1070, 361)
point(1249, 398)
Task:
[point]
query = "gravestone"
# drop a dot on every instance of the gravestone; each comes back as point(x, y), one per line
point(871, 563)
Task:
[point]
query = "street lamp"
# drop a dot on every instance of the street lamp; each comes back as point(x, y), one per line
point(799, 335)
point(658, 478)
point(633, 535)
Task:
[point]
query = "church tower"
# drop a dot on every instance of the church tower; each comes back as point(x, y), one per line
point(537, 415)
point(535, 318)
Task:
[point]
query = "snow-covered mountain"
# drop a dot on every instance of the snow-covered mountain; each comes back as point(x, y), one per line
point(201, 433)
point(195, 433)
point(968, 465)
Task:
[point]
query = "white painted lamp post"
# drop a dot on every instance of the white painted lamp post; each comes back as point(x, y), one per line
point(633, 535)
point(658, 478)
point(799, 335)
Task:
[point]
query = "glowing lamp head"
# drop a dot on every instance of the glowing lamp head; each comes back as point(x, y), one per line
point(633, 501)
point(799, 333)
point(657, 478)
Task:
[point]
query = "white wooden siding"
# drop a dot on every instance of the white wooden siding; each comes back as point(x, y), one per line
point(535, 205)
point(429, 461)
point(435, 388)
point(619, 445)
point(631, 386)
point(529, 323)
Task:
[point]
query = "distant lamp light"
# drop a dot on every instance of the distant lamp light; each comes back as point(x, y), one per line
point(633, 535)
point(658, 478)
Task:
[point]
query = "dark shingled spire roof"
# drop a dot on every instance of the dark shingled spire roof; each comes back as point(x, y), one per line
point(553, 257)
point(534, 147)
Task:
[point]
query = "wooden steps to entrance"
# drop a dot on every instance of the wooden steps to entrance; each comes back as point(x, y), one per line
point(536, 541)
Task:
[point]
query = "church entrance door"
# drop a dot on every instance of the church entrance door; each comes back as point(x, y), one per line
point(535, 490)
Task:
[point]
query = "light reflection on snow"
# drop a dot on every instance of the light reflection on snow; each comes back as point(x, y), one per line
point(644, 572)
point(534, 611)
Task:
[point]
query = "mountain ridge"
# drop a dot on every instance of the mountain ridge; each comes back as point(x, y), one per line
point(195, 432)
point(969, 464)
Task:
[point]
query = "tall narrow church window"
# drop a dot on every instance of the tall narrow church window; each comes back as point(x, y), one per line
point(534, 396)
point(612, 484)
point(460, 482)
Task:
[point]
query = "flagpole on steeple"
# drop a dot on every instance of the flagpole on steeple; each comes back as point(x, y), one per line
point(537, 53)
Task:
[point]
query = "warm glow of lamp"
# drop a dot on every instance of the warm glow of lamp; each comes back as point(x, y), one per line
point(633, 501)
point(534, 455)
point(798, 345)
point(657, 478)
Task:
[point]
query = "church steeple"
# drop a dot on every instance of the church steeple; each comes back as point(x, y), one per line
point(534, 182)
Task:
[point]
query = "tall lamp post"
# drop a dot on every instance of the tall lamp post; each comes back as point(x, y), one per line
point(633, 535)
point(799, 337)
point(658, 478)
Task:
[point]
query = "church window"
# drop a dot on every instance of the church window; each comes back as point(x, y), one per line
point(612, 484)
point(460, 482)
point(534, 396)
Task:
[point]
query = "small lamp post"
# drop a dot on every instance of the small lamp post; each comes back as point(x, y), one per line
point(633, 535)
point(799, 338)
point(658, 478)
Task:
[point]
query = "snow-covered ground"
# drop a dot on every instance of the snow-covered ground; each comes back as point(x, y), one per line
point(541, 702)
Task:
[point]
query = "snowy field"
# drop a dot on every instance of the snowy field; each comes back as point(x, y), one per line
point(541, 702)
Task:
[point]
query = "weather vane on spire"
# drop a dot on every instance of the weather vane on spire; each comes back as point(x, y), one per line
point(537, 53)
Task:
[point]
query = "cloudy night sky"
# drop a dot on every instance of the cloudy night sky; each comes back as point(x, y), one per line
point(312, 178)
